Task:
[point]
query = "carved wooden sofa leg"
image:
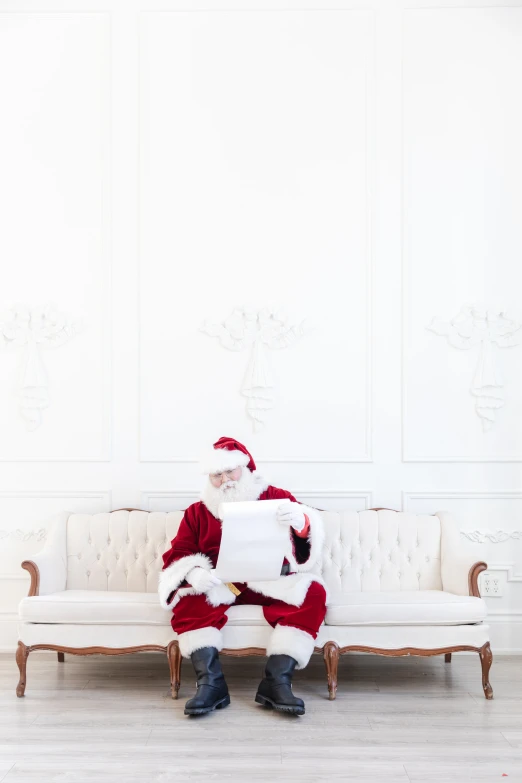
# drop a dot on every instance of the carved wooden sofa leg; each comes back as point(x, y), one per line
point(447, 657)
point(174, 656)
point(331, 660)
point(22, 653)
point(486, 659)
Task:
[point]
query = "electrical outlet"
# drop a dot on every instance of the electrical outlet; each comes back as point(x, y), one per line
point(492, 584)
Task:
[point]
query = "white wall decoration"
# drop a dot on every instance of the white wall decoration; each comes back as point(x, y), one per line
point(24, 535)
point(33, 331)
point(262, 330)
point(495, 537)
point(475, 325)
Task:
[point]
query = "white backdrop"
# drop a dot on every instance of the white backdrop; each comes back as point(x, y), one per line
point(358, 171)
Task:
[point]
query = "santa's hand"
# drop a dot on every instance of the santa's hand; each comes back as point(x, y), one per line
point(290, 513)
point(201, 579)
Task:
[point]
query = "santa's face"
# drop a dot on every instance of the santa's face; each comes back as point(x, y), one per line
point(230, 486)
point(226, 479)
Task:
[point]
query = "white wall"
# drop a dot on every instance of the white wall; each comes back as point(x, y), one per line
point(360, 169)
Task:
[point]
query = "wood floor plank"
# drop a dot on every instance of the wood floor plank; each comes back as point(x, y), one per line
point(27, 772)
point(449, 773)
point(5, 768)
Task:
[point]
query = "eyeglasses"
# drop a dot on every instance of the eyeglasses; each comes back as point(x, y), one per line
point(227, 473)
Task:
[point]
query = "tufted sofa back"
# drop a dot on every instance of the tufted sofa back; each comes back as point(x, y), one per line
point(365, 550)
point(381, 551)
point(120, 550)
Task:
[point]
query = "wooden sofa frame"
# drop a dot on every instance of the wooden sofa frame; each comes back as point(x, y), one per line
point(331, 650)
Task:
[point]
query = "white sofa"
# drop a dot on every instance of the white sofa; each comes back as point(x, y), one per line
point(399, 584)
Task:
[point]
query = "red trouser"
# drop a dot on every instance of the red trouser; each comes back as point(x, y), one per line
point(193, 611)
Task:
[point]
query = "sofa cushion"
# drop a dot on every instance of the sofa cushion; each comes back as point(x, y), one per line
point(102, 607)
point(94, 607)
point(425, 607)
point(404, 607)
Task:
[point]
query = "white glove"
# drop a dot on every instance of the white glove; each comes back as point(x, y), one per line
point(201, 579)
point(290, 513)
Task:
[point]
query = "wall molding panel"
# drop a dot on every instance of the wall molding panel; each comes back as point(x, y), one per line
point(68, 209)
point(147, 455)
point(102, 494)
point(337, 499)
point(447, 261)
point(408, 496)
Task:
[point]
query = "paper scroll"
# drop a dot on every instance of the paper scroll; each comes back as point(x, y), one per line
point(253, 543)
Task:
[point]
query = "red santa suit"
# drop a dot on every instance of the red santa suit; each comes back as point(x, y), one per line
point(294, 605)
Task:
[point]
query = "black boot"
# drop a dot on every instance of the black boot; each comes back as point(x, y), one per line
point(275, 690)
point(212, 690)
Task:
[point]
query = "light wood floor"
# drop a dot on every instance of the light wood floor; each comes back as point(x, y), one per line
point(112, 719)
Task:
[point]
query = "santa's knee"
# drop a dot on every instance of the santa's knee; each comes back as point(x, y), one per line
point(315, 599)
point(316, 592)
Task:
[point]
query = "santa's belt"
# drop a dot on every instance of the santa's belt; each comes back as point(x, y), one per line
point(285, 570)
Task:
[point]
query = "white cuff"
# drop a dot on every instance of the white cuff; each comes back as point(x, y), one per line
point(287, 640)
point(190, 641)
point(172, 576)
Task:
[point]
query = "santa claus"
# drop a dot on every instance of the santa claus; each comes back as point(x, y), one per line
point(294, 604)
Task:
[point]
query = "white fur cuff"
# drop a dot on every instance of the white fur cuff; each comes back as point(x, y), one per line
point(315, 538)
point(190, 641)
point(172, 576)
point(287, 640)
point(218, 460)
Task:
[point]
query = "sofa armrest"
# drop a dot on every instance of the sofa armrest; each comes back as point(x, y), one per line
point(460, 564)
point(48, 573)
point(48, 568)
point(460, 574)
point(473, 576)
point(34, 573)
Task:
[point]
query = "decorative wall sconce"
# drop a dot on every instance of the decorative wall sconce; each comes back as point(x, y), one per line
point(34, 330)
point(477, 326)
point(494, 537)
point(262, 330)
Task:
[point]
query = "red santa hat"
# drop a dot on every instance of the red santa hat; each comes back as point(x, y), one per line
point(227, 454)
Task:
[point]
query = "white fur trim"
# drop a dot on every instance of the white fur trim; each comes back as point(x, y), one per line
point(217, 595)
point(287, 640)
point(183, 591)
point(172, 576)
point(218, 460)
point(315, 538)
point(291, 589)
point(190, 641)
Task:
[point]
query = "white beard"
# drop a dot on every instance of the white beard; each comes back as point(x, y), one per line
point(249, 487)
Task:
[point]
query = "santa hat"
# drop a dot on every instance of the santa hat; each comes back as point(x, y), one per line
point(227, 454)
